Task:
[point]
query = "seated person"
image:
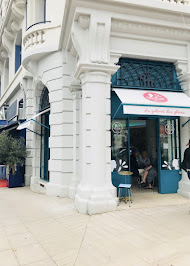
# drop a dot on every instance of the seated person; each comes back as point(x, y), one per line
point(149, 173)
point(134, 162)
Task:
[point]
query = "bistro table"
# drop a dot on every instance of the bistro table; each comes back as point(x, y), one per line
point(125, 186)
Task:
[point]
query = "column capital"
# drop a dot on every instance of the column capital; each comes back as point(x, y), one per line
point(75, 86)
point(90, 68)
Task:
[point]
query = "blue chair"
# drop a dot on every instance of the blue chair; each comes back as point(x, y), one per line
point(126, 187)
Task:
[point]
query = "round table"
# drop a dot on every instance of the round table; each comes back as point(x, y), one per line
point(125, 173)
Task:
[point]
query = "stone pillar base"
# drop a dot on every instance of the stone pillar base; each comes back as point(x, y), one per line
point(91, 201)
point(72, 191)
point(57, 190)
point(34, 180)
point(184, 188)
point(35, 185)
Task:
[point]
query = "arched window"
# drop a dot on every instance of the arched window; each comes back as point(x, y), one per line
point(44, 100)
point(45, 134)
point(144, 74)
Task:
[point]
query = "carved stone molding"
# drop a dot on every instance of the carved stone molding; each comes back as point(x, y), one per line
point(15, 27)
point(18, 8)
point(84, 21)
point(1, 67)
point(4, 5)
point(9, 35)
point(7, 40)
point(4, 54)
point(150, 30)
point(32, 67)
point(181, 67)
point(75, 86)
point(114, 57)
point(90, 37)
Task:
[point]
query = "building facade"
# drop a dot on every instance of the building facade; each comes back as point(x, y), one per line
point(69, 68)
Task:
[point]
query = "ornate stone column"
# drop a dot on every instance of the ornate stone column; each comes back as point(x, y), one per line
point(91, 41)
point(96, 194)
point(77, 101)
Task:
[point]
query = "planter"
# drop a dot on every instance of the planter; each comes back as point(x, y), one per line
point(16, 180)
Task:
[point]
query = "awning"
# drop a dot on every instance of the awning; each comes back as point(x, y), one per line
point(9, 127)
point(142, 102)
point(27, 123)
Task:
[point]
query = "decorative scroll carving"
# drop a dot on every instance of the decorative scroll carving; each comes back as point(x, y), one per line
point(4, 7)
point(18, 8)
point(90, 37)
point(4, 54)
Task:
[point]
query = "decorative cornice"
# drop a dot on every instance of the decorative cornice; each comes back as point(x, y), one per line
point(91, 67)
point(150, 30)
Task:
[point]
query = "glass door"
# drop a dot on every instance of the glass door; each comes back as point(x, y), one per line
point(119, 150)
point(169, 155)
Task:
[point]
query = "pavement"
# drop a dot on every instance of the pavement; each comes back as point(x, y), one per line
point(37, 230)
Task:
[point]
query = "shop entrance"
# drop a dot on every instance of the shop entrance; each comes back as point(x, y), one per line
point(159, 137)
point(143, 140)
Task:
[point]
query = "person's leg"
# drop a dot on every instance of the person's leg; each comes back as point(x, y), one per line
point(145, 174)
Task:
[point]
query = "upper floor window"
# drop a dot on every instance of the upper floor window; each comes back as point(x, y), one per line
point(18, 48)
point(144, 74)
point(35, 12)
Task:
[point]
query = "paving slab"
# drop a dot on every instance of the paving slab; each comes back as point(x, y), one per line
point(39, 230)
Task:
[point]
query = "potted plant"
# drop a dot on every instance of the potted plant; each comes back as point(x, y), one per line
point(13, 153)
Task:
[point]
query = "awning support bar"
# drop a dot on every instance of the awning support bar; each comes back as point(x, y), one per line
point(185, 123)
point(34, 132)
point(40, 124)
point(117, 111)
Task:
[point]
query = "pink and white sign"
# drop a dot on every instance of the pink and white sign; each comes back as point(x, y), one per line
point(155, 97)
point(141, 102)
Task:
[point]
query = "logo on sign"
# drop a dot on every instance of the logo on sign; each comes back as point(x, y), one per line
point(169, 129)
point(117, 128)
point(155, 97)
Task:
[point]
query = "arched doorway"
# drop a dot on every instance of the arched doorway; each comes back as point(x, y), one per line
point(45, 134)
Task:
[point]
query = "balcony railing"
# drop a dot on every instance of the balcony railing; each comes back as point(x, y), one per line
point(36, 37)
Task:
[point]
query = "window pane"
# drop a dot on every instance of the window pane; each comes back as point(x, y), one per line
point(119, 145)
point(169, 140)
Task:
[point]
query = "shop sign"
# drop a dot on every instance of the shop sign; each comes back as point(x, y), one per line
point(12, 111)
point(117, 128)
point(161, 111)
point(155, 97)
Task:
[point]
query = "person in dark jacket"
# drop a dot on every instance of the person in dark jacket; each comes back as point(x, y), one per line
point(186, 161)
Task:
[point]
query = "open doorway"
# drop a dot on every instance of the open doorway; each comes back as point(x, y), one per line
point(143, 143)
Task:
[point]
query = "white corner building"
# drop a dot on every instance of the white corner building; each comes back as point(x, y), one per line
point(85, 81)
